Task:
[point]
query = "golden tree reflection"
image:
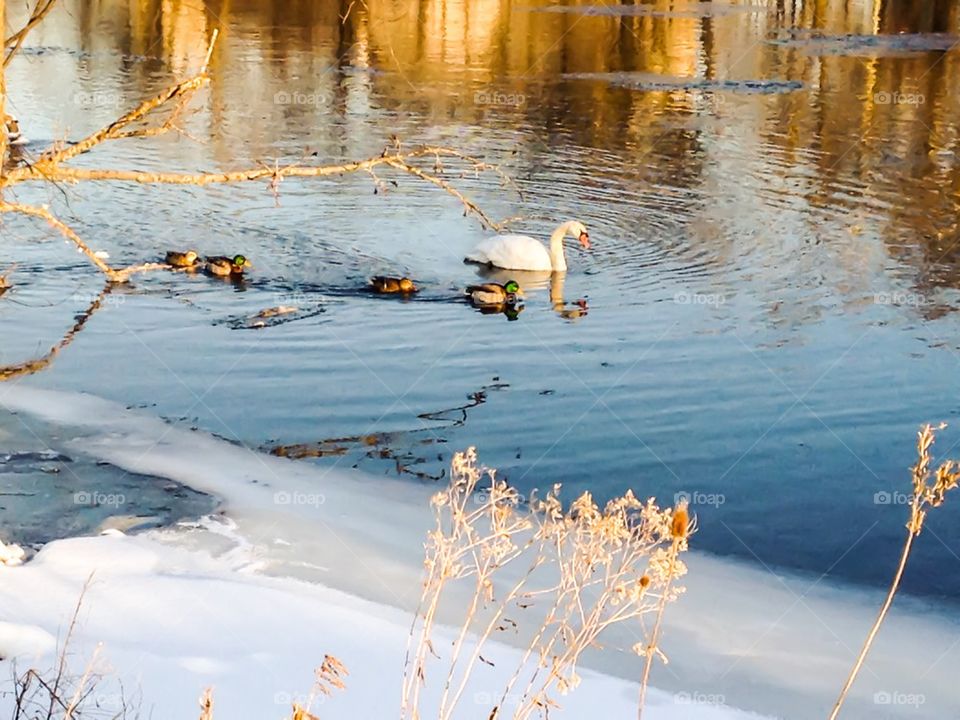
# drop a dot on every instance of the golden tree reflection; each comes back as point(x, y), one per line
point(872, 141)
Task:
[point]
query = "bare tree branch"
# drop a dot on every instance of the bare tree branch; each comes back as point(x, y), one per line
point(15, 41)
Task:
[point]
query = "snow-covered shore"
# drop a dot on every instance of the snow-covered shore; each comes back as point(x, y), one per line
point(306, 562)
point(173, 621)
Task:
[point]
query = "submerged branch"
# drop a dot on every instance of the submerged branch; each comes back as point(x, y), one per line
point(29, 367)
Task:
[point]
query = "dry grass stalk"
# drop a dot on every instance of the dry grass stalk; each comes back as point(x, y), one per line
point(3, 96)
point(329, 677)
point(582, 568)
point(206, 705)
point(680, 529)
point(929, 492)
point(59, 695)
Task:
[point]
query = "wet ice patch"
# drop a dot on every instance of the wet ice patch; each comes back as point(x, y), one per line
point(872, 45)
point(690, 10)
point(653, 81)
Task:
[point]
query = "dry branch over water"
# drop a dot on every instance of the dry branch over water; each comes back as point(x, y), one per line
point(148, 120)
point(51, 165)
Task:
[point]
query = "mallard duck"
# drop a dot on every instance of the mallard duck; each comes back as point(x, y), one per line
point(495, 294)
point(225, 266)
point(186, 259)
point(4, 283)
point(389, 285)
point(12, 128)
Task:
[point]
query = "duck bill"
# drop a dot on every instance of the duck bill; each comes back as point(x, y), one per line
point(584, 241)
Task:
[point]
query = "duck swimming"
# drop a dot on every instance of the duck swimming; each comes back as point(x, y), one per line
point(178, 259)
point(521, 252)
point(12, 127)
point(223, 266)
point(4, 283)
point(392, 285)
point(494, 293)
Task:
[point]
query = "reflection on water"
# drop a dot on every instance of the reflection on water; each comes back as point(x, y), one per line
point(772, 188)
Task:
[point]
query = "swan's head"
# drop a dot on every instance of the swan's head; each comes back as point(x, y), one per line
point(578, 230)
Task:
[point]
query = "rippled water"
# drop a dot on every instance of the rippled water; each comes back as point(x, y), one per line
point(772, 194)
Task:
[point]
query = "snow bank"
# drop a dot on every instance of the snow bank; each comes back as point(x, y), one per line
point(172, 622)
point(248, 580)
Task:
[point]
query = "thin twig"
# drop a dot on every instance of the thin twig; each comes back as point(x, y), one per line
point(40, 11)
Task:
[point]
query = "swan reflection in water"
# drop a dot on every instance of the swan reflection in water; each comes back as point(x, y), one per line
point(536, 280)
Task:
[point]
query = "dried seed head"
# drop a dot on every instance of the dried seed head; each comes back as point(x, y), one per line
point(645, 581)
point(681, 522)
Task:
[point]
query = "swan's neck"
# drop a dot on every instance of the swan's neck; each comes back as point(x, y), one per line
point(557, 257)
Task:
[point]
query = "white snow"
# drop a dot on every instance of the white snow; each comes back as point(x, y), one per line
point(305, 561)
point(172, 622)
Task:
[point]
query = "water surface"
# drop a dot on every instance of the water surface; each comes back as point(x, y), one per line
point(772, 193)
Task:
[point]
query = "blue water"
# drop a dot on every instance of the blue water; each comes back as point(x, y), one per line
point(770, 296)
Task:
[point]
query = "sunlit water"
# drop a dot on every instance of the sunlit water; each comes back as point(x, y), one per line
point(770, 296)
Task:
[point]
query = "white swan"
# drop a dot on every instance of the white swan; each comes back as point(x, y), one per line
point(521, 252)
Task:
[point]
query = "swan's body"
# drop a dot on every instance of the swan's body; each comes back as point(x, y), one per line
point(521, 252)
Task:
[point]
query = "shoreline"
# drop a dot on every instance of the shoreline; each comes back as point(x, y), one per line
point(782, 651)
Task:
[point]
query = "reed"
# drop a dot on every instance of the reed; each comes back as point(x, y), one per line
point(583, 569)
point(929, 492)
